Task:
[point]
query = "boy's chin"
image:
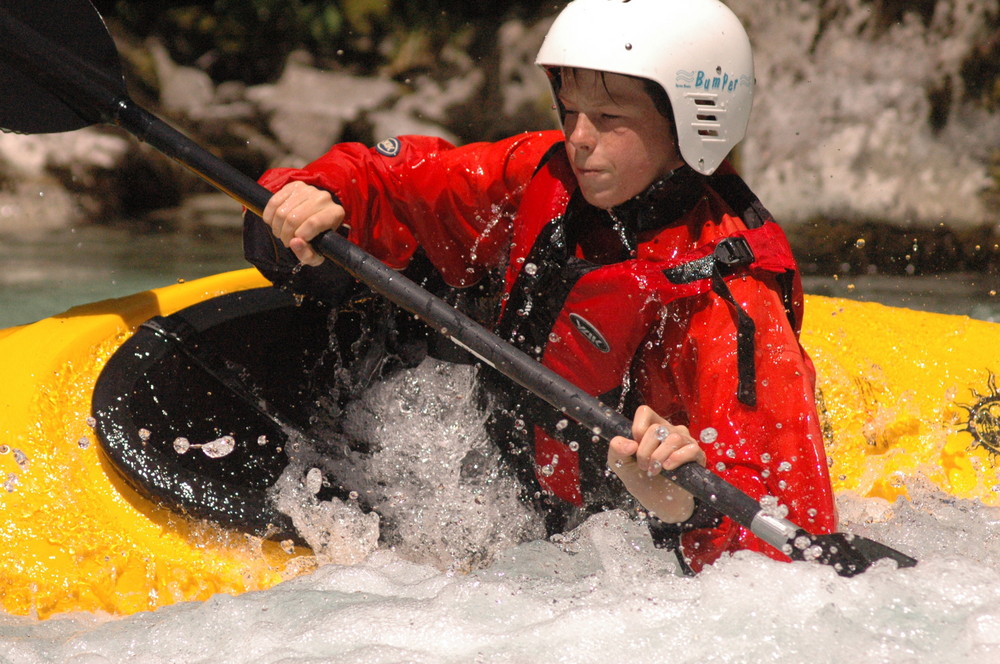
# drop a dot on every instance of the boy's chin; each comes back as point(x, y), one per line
point(602, 198)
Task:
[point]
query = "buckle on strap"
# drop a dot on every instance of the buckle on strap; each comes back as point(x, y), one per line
point(733, 251)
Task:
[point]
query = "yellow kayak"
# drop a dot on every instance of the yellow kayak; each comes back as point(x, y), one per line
point(74, 536)
point(905, 395)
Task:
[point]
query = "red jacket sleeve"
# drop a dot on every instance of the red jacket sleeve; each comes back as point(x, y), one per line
point(772, 449)
point(455, 203)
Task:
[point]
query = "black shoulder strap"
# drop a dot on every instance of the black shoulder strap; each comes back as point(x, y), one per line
point(737, 195)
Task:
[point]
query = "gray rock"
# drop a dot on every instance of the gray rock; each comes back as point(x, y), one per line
point(842, 123)
point(183, 90)
point(308, 108)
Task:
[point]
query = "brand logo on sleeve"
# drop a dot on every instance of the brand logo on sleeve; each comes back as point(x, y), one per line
point(390, 147)
point(588, 330)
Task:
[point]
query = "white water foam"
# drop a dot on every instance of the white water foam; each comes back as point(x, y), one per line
point(457, 588)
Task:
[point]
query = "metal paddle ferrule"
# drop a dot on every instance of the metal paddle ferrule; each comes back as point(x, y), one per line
point(78, 91)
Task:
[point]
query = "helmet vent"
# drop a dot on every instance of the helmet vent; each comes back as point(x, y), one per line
point(707, 114)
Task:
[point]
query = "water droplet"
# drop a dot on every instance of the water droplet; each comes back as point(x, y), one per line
point(720, 466)
point(708, 435)
point(262, 440)
point(181, 445)
point(314, 481)
point(531, 268)
point(812, 553)
point(547, 470)
point(784, 467)
point(91, 422)
point(573, 445)
point(144, 434)
point(219, 447)
point(562, 424)
point(21, 458)
point(83, 443)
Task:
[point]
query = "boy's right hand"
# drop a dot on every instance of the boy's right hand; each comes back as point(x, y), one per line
point(297, 213)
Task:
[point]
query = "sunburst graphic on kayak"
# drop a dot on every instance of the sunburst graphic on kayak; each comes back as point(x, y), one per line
point(984, 417)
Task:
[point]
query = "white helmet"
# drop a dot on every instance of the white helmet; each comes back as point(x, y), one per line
point(697, 50)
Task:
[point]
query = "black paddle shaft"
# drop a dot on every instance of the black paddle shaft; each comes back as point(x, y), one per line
point(94, 91)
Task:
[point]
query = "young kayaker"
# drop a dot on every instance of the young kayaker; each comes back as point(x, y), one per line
point(623, 252)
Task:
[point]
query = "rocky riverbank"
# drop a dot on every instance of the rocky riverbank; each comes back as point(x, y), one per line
point(875, 141)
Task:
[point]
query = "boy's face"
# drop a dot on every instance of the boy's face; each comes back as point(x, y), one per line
point(618, 143)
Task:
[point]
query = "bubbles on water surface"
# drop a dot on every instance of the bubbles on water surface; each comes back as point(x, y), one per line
point(599, 593)
point(413, 449)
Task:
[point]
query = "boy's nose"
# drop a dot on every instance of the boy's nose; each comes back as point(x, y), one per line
point(583, 135)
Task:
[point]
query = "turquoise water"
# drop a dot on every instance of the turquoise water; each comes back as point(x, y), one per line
point(45, 276)
point(964, 293)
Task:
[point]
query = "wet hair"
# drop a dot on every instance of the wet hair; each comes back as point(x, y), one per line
point(655, 91)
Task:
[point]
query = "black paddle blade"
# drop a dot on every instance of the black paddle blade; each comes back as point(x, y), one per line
point(848, 554)
point(31, 104)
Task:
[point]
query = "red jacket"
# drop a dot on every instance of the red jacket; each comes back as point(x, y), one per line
point(599, 304)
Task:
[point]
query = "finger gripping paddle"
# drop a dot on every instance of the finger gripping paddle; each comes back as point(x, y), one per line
point(69, 75)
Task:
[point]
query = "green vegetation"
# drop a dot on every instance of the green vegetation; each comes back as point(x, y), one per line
point(249, 40)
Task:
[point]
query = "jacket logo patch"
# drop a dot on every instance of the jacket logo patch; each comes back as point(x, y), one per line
point(390, 147)
point(588, 330)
